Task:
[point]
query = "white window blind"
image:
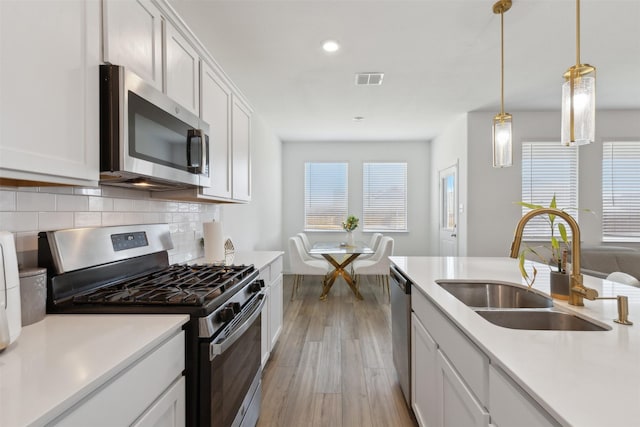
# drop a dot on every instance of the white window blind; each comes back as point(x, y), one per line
point(621, 191)
point(325, 195)
point(548, 168)
point(384, 192)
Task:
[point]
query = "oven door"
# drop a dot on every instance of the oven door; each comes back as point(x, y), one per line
point(230, 371)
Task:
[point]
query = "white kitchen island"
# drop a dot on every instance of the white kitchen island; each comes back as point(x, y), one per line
point(580, 378)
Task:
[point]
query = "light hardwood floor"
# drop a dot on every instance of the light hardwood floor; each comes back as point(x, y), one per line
point(333, 365)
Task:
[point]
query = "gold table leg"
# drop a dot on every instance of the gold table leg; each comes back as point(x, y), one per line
point(340, 270)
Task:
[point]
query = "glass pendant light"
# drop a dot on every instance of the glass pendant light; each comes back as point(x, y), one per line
point(502, 136)
point(578, 99)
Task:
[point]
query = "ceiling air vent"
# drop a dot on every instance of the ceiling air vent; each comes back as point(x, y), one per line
point(369, 79)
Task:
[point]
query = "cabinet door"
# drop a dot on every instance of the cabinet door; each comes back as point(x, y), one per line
point(511, 406)
point(266, 317)
point(181, 70)
point(457, 403)
point(49, 122)
point(216, 111)
point(241, 143)
point(275, 311)
point(132, 37)
point(168, 410)
point(423, 375)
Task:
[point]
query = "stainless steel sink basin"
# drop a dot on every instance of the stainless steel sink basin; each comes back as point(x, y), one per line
point(540, 320)
point(483, 294)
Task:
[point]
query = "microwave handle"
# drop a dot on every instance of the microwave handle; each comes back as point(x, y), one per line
point(198, 167)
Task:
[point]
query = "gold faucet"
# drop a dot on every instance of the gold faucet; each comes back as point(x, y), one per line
point(577, 291)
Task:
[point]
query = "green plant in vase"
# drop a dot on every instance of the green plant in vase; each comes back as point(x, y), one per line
point(349, 225)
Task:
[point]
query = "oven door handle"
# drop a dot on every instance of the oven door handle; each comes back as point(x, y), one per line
point(217, 348)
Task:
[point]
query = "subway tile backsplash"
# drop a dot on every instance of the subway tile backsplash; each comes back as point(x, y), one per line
point(26, 211)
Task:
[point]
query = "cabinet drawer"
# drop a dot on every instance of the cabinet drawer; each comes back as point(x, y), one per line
point(276, 269)
point(132, 391)
point(468, 360)
point(511, 406)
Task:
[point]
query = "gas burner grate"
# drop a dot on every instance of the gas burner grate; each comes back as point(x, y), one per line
point(176, 285)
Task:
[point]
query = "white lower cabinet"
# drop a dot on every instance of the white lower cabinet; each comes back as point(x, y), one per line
point(454, 383)
point(168, 410)
point(511, 406)
point(457, 403)
point(272, 313)
point(148, 393)
point(265, 346)
point(424, 352)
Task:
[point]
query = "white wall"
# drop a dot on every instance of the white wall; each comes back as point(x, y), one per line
point(492, 214)
point(415, 153)
point(258, 224)
point(447, 149)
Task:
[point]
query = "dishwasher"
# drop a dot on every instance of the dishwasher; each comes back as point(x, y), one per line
point(401, 330)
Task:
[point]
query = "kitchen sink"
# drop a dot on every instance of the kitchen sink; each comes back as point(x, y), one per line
point(540, 320)
point(484, 294)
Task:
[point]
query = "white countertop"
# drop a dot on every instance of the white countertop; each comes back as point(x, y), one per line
point(581, 378)
point(259, 259)
point(58, 361)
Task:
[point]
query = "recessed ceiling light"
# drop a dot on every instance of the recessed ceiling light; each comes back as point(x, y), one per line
point(330, 46)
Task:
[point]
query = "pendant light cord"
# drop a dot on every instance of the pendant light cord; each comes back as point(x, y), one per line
point(502, 62)
point(577, 32)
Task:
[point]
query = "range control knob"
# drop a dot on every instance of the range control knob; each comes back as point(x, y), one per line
point(236, 307)
point(226, 314)
point(256, 286)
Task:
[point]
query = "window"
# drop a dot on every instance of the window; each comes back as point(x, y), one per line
point(384, 192)
point(548, 168)
point(325, 195)
point(621, 191)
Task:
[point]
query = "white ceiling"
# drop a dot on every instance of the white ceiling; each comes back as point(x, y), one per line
point(441, 58)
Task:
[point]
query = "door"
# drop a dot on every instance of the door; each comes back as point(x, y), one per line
point(133, 38)
point(182, 69)
point(241, 143)
point(49, 128)
point(216, 111)
point(448, 212)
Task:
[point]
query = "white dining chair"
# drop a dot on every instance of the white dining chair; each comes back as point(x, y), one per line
point(301, 266)
point(627, 279)
point(378, 265)
point(376, 238)
point(307, 247)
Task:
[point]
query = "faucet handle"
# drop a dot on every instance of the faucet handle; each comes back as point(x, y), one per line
point(588, 293)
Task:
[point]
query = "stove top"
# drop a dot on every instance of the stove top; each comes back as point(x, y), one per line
point(176, 285)
point(125, 269)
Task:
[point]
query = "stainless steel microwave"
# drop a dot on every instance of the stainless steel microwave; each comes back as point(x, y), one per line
point(147, 140)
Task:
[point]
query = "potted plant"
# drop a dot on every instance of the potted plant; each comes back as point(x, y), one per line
point(349, 225)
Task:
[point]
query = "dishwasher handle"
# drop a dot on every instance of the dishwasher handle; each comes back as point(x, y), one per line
point(402, 282)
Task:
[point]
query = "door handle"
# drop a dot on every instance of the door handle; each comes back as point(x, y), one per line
point(198, 165)
point(454, 235)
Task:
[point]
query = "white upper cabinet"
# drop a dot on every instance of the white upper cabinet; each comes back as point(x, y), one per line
point(182, 65)
point(133, 37)
point(49, 112)
point(216, 111)
point(241, 142)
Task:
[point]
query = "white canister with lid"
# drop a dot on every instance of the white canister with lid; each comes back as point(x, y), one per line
point(9, 288)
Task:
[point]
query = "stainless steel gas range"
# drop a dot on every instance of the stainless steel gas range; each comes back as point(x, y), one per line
point(125, 269)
